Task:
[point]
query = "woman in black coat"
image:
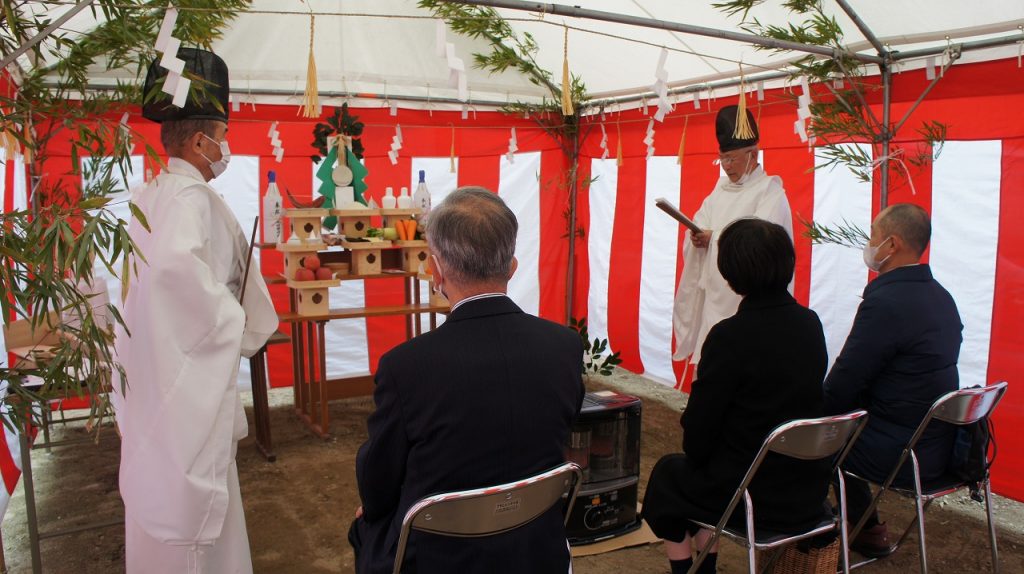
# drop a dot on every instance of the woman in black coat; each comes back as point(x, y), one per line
point(758, 369)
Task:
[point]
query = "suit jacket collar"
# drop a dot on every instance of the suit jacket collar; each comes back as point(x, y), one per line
point(918, 273)
point(766, 300)
point(483, 308)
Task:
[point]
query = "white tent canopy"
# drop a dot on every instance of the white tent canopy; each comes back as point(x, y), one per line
point(388, 47)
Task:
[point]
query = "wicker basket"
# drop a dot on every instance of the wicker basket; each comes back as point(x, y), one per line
point(794, 560)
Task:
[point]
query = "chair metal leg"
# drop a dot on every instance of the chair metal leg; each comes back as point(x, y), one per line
point(844, 541)
point(748, 508)
point(991, 527)
point(920, 514)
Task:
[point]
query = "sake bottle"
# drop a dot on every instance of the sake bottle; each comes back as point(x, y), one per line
point(404, 201)
point(421, 198)
point(388, 201)
point(272, 211)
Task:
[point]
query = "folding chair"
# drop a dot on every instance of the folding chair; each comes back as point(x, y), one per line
point(959, 408)
point(491, 510)
point(805, 439)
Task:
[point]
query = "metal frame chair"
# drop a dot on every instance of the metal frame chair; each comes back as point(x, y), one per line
point(491, 510)
point(805, 439)
point(962, 407)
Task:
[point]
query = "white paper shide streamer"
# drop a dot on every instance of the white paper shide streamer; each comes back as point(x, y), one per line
point(396, 144)
point(175, 85)
point(126, 133)
point(456, 67)
point(513, 147)
point(649, 139)
point(803, 113)
point(275, 142)
point(660, 87)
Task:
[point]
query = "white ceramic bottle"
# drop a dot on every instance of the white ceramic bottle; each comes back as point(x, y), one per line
point(388, 201)
point(404, 201)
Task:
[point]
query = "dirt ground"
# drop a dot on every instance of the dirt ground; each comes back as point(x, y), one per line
point(298, 509)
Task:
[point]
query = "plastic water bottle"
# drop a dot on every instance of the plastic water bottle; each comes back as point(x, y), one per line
point(272, 211)
point(421, 198)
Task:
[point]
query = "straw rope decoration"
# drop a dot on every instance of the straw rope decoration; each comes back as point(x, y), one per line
point(566, 79)
point(682, 142)
point(743, 130)
point(311, 98)
point(8, 142)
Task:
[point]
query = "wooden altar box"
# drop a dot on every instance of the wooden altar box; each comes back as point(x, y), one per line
point(414, 253)
point(354, 223)
point(306, 224)
point(311, 296)
point(293, 254)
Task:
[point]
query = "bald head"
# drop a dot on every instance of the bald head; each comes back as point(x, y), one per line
point(909, 222)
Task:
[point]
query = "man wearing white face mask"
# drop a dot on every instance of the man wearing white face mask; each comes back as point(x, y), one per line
point(180, 415)
point(704, 298)
point(901, 355)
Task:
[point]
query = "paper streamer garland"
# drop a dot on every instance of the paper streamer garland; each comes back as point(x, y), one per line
point(396, 144)
point(275, 142)
point(126, 134)
point(175, 85)
point(660, 87)
point(803, 113)
point(604, 143)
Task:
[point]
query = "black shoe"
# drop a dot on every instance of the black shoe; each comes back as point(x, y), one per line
point(873, 542)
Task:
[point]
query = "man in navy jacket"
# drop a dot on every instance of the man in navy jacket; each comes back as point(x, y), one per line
point(901, 355)
point(487, 398)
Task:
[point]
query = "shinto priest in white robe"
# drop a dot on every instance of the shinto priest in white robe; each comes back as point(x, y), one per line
point(181, 415)
point(704, 298)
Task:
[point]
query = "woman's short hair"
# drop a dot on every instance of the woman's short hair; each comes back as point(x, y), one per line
point(756, 256)
point(473, 233)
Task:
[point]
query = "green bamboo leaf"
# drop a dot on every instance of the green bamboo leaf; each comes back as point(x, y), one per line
point(137, 214)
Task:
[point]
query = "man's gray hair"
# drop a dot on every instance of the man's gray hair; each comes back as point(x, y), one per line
point(910, 222)
point(473, 233)
point(174, 133)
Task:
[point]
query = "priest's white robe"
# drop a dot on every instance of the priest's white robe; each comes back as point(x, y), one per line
point(181, 414)
point(703, 297)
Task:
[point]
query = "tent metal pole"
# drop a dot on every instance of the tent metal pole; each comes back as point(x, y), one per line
point(862, 26)
point(953, 57)
point(964, 47)
point(42, 35)
point(688, 89)
point(883, 198)
point(577, 12)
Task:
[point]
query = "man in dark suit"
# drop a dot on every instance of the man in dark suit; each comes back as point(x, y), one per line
point(487, 398)
point(901, 355)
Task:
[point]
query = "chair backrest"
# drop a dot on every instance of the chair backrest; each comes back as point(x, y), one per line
point(805, 439)
point(967, 406)
point(491, 510)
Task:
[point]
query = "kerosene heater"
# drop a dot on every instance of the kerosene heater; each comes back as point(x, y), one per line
point(605, 442)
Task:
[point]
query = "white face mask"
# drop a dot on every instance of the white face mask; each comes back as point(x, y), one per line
point(218, 167)
point(870, 253)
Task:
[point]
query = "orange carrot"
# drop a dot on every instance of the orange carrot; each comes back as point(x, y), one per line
point(400, 228)
point(411, 227)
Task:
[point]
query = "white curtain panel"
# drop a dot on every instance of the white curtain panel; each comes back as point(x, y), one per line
point(603, 191)
point(965, 235)
point(838, 273)
point(658, 270)
point(519, 186)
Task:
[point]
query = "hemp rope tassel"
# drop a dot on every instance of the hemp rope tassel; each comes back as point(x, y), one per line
point(618, 144)
point(743, 130)
point(682, 142)
point(311, 98)
point(452, 156)
point(567, 109)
